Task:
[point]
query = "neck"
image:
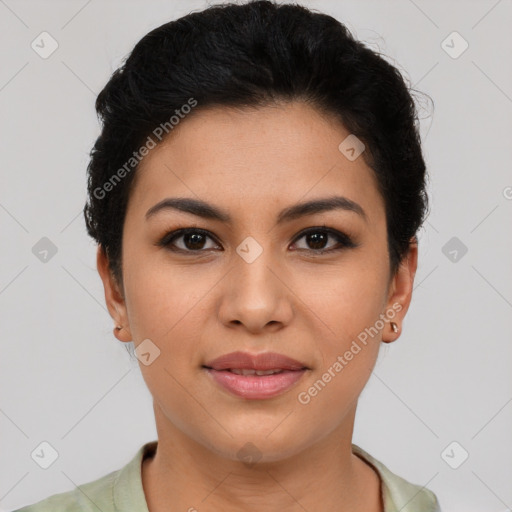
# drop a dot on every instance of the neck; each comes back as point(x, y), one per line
point(187, 475)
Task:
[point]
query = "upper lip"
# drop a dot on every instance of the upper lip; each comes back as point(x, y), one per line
point(262, 361)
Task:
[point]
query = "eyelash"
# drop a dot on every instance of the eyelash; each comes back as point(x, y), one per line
point(343, 239)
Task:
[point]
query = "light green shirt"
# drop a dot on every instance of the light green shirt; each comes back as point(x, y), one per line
point(122, 491)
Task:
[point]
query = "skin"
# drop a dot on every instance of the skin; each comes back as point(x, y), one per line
point(196, 306)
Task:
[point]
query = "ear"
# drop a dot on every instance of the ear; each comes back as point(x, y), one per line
point(400, 292)
point(113, 297)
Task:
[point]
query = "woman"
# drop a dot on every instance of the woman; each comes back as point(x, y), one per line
point(255, 194)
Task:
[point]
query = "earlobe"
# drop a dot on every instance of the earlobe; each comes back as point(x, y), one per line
point(122, 334)
point(391, 332)
point(113, 297)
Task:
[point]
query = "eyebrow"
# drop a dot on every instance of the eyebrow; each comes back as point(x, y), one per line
point(208, 211)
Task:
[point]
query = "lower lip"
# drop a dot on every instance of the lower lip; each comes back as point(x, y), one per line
point(256, 387)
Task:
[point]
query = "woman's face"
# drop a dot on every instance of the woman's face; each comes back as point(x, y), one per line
point(257, 282)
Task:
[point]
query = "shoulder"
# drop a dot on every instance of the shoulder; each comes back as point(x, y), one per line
point(118, 490)
point(87, 497)
point(397, 493)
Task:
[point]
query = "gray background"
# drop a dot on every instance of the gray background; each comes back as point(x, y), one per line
point(66, 380)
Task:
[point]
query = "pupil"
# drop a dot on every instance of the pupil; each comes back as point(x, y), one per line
point(317, 239)
point(195, 238)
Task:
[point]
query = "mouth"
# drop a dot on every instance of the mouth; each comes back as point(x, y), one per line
point(255, 384)
point(255, 377)
point(264, 361)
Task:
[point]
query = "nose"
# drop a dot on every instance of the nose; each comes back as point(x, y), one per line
point(255, 296)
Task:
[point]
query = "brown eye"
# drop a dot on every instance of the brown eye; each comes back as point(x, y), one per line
point(316, 240)
point(187, 240)
point(195, 240)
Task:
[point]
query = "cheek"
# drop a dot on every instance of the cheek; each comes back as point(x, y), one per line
point(348, 328)
point(162, 305)
point(348, 341)
point(347, 297)
point(161, 300)
point(166, 305)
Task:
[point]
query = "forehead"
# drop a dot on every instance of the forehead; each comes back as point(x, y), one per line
point(249, 160)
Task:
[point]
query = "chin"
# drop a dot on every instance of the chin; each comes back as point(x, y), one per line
point(252, 446)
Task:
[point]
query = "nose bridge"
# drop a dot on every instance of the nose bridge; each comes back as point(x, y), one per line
point(255, 268)
point(255, 295)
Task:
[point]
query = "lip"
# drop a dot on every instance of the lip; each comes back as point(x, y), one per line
point(255, 387)
point(262, 361)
